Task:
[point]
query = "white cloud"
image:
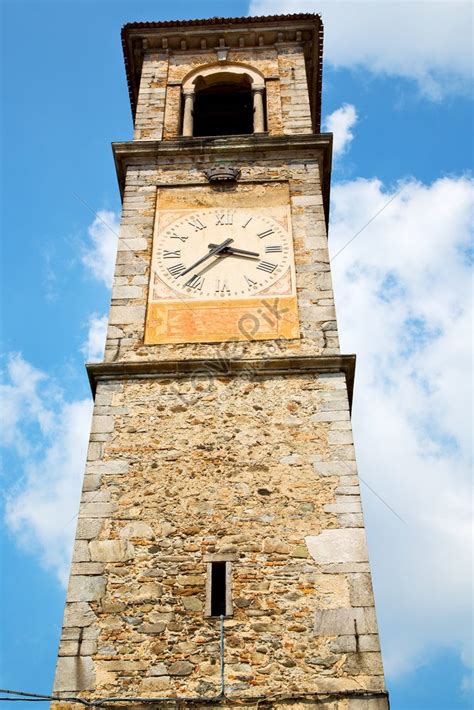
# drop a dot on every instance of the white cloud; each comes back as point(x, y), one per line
point(93, 348)
point(100, 251)
point(20, 401)
point(340, 123)
point(48, 434)
point(428, 41)
point(42, 505)
point(403, 301)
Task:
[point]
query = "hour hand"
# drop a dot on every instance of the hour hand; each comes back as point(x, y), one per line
point(234, 250)
point(215, 249)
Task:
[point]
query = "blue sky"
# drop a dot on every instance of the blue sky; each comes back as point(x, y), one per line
point(402, 118)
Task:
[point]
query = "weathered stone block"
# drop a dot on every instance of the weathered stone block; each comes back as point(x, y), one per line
point(94, 451)
point(340, 437)
point(344, 504)
point(114, 332)
point(348, 490)
point(68, 648)
point(102, 424)
point(85, 589)
point(127, 291)
point(97, 510)
point(350, 520)
point(192, 603)
point(111, 550)
point(87, 648)
point(137, 529)
point(153, 629)
point(78, 614)
point(91, 483)
point(300, 551)
point(155, 685)
point(158, 670)
point(361, 590)
point(343, 644)
point(95, 497)
point(331, 416)
point(369, 642)
point(112, 467)
point(81, 551)
point(87, 568)
point(74, 674)
point(345, 622)
point(274, 545)
point(338, 545)
point(366, 663)
point(181, 668)
point(123, 315)
point(88, 528)
point(191, 580)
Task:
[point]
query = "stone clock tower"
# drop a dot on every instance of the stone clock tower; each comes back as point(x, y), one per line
point(220, 555)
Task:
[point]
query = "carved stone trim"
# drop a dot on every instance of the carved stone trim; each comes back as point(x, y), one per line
point(222, 173)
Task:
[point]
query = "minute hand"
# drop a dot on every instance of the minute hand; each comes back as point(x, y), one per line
point(215, 250)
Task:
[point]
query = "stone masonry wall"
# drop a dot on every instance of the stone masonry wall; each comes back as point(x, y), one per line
point(283, 68)
point(296, 113)
point(149, 116)
point(261, 469)
point(313, 279)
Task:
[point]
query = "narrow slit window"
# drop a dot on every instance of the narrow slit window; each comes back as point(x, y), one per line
point(218, 589)
point(219, 598)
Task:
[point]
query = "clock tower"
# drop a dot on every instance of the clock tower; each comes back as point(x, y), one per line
point(220, 555)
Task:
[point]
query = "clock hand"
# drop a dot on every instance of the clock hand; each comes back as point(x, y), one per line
point(215, 250)
point(237, 252)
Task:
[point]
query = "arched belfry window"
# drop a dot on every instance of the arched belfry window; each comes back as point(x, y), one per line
point(223, 100)
point(224, 107)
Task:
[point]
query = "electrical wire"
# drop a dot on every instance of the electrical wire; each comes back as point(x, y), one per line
point(367, 223)
point(102, 702)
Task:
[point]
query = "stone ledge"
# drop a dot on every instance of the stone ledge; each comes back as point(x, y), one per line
point(318, 364)
point(155, 152)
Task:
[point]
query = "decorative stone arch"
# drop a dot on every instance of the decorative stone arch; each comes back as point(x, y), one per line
point(206, 77)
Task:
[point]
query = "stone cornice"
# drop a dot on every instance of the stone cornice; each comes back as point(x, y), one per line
point(224, 367)
point(226, 147)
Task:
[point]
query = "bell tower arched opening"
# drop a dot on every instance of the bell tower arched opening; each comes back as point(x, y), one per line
point(224, 108)
point(223, 101)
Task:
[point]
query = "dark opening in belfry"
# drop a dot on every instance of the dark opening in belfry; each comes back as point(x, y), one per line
point(224, 107)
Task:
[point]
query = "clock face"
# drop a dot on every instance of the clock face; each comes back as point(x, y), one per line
point(222, 253)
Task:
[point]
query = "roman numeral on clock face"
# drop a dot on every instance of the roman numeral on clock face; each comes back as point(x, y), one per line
point(195, 282)
point(181, 237)
point(249, 281)
point(266, 233)
point(197, 224)
point(176, 270)
point(225, 218)
point(171, 254)
point(273, 249)
point(222, 286)
point(267, 266)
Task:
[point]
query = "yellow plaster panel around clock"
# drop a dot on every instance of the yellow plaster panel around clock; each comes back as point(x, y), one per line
point(215, 321)
point(243, 195)
point(178, 314)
